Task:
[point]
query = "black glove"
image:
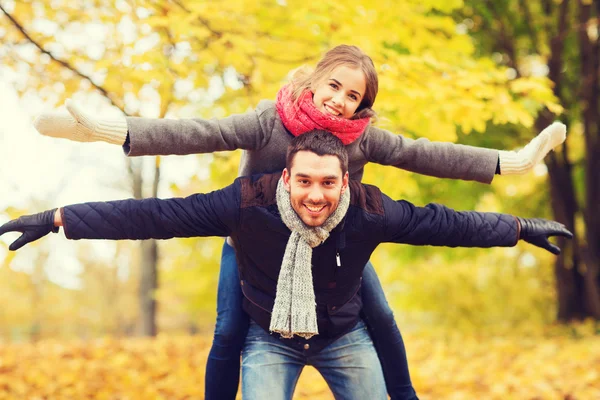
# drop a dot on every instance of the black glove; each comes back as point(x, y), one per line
point(33, 227)
point(537, 231)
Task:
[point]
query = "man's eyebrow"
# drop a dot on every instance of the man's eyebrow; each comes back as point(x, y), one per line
point(302, 175)
point(340, 84)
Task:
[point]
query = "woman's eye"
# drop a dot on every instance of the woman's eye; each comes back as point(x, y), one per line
point(353, 97)
point(333, 85)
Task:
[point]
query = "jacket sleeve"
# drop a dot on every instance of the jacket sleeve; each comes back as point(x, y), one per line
point(191, 136)
point(437, 225)
point(440, 159)
point(212, 214)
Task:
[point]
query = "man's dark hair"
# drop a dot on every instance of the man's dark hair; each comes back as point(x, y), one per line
point(322, 143)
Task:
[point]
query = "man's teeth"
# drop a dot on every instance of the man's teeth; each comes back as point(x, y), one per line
point(314, 209)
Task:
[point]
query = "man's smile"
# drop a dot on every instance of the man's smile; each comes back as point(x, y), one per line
point(314, 210)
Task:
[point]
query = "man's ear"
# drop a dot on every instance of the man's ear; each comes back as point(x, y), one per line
point(286, 179)
point(345, 181)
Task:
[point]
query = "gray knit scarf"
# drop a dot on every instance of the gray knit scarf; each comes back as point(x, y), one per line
point(294, 312)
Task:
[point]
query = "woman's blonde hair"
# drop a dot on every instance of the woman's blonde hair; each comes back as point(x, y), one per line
point(343, 55)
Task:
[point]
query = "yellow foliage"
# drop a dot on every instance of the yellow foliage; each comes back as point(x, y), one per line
point(432, 84)
point(539, 365)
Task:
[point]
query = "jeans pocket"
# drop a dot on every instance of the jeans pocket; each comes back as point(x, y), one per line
point(255, 333)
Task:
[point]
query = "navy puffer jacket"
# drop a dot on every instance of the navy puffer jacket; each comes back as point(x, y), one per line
point(247, 211)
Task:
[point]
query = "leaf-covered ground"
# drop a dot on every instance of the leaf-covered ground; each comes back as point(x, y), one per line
point(528, 366)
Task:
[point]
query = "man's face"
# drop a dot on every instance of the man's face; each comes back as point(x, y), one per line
point(315, 184)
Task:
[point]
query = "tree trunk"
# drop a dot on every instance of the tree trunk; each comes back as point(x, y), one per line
point(148, 259)
point(590, 87)
point(576, 269)
point(148, 286)
point(569, 281)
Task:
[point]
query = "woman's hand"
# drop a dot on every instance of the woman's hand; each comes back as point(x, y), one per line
point(520, 162)
point(81, 127)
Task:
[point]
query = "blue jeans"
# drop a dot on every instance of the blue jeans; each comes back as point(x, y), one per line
point(387, 339)
point(270, 369)
point(223, 364)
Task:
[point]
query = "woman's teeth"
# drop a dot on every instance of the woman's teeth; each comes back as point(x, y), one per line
point(331, 110)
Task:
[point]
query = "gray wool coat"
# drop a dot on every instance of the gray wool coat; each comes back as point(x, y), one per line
point(264, 139)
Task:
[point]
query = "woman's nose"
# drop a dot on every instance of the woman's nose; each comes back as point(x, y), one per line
point(338, 99)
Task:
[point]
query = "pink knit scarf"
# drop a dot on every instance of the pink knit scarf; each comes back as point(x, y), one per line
point(302, 116)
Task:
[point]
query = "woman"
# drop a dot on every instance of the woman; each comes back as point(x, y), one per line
point(337, 96)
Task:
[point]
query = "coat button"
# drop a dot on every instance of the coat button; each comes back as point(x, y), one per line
point(333, 308)
point(242, 283)
point(306, 346)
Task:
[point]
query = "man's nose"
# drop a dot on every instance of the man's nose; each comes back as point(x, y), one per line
point(315, 195)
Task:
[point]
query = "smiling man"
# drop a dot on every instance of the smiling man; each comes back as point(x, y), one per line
point(316, 185)
point(302, 239)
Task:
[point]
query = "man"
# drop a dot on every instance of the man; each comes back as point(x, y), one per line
point(302, 238)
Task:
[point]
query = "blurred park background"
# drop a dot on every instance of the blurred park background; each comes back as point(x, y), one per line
point(131, 320)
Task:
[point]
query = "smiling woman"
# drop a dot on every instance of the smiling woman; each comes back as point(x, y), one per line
point(347, 71)
point(342, 93)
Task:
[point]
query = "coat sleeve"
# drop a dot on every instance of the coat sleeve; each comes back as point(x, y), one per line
point(437, 225)
point(439, 159)
point(191, 136)
point(212, 214)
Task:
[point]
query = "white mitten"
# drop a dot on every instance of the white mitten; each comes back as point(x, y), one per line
point(520, 162)
point(81, 127)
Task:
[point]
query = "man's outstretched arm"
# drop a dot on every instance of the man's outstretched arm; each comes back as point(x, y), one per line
point(213, 214)
point(438, 225)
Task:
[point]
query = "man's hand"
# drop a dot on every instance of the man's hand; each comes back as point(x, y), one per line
point(520, 162)
point(32, 227)
point(537, 231)
point(81, 127)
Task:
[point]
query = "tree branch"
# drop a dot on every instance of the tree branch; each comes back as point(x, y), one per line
point(557, 44)
point(528, 19)
point(506, 40)
point(64, 63)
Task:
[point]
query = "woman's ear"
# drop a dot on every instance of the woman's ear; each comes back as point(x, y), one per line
point(312, 86)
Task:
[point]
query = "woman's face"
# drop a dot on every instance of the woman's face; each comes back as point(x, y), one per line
point(341, 92)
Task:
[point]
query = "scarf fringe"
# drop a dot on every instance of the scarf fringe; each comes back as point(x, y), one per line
point(305, 326)
point(278, 322)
